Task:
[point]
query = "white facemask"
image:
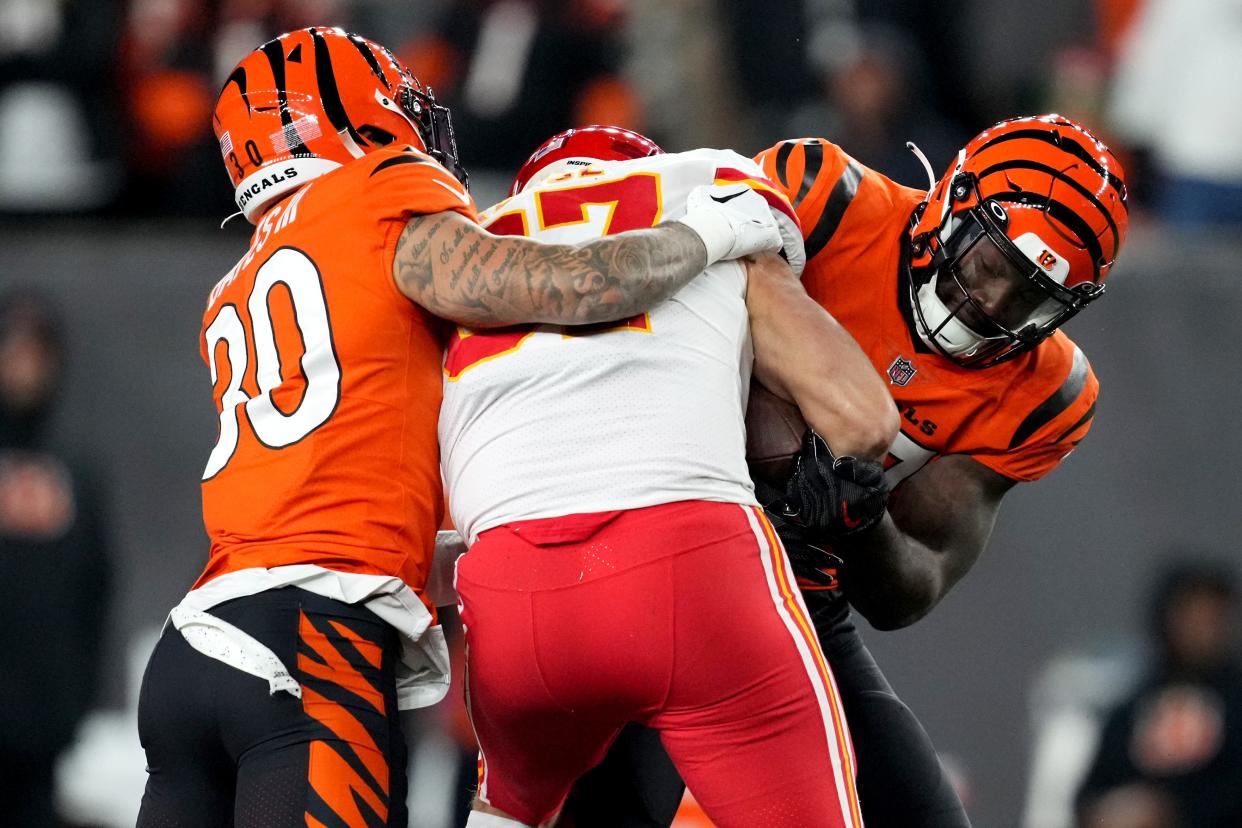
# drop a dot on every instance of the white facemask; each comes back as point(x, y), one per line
point(955, 338)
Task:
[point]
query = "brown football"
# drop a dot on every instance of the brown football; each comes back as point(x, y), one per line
point(774, 430)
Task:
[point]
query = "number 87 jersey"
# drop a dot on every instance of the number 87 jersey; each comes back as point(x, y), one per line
point(547, 421)
point(327, 384)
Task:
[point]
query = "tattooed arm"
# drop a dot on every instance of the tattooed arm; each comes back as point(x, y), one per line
point(456, 269)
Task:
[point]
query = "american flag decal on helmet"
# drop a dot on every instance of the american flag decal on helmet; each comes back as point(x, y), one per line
point(226, 144)
point(901, 371)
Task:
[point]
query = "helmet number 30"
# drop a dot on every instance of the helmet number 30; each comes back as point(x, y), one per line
point(320, 369)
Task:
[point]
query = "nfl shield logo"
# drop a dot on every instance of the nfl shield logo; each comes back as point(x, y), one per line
point(900, 372)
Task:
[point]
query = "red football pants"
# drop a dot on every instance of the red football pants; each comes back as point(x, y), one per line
point(683, 617)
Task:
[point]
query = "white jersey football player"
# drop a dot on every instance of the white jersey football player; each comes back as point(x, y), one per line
point(620, 569)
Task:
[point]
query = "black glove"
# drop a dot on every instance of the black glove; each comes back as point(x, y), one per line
point(833, 497)
point(813, 560)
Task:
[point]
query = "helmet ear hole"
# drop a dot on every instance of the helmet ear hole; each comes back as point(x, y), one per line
point(375, 135)
point(999, 213)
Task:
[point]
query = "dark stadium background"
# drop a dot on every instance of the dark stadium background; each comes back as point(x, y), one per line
point(121, 226)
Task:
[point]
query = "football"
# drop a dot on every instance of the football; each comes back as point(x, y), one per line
point(774, 430)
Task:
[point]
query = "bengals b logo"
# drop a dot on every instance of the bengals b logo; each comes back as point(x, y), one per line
point(1047, 260)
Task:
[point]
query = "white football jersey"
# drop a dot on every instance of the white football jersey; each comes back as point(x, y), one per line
point(547, 420)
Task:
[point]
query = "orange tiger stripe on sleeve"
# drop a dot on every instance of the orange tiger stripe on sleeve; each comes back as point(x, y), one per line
point(819, 179)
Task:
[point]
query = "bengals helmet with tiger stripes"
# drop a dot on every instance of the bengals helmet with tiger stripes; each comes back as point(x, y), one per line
point(311, 100)
point(1039, 198)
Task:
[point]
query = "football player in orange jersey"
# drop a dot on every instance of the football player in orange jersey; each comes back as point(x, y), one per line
point(956, 295)
point(271, 698)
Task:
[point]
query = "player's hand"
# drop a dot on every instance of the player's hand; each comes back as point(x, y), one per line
point(793, 246)
point(732, 220)
point(814, 563)
point(833, 497)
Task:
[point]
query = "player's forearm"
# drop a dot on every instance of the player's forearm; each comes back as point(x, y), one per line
point(891, 578)
point(631, 272)
point(459, 271)
point(803, 354)
point(937, 525)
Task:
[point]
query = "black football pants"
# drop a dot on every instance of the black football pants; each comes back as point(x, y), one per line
point(222, 751)
point(901, 783)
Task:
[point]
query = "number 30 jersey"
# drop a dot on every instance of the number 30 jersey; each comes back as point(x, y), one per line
point(547, 421)
point(327, 382)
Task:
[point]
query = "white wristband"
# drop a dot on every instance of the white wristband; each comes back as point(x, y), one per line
point(478, 819)
point(714, 229)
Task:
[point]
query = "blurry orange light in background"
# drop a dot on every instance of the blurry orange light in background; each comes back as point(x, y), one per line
point(172, 108)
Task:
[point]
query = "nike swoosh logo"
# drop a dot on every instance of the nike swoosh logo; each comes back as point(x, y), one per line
point(728, 198)
point(846, 519)
point(462, 197)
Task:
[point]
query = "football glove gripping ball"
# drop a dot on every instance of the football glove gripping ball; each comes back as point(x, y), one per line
point(814, 563)
point(732, 220)
point(834, 497)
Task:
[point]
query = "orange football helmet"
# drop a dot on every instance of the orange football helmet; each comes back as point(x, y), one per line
point(311, 100)
point(596, 142)
point(1016, 237)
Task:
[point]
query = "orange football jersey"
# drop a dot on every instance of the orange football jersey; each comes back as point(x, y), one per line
point(1019, 418)
point(328, 382)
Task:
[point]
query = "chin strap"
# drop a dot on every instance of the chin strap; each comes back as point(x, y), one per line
point(229, 218)
point(351, 146)
point(948, 197)
point(927, 167)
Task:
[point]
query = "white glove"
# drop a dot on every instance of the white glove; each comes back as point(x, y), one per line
point(793, 247)
point(732, 220)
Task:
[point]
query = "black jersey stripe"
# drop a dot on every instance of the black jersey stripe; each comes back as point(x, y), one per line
point(782, 162)
point(329, 92)
point(394, 161)
point(1081, 422)
point(1055, 405)
point(814, 154)
point(839, 200)
point(1064, 141)
point(275, 52)
point(1086, 236)
point(1022, 164)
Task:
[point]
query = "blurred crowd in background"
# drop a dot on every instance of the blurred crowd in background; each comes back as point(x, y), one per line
point(121, 91)
point(105, 112)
